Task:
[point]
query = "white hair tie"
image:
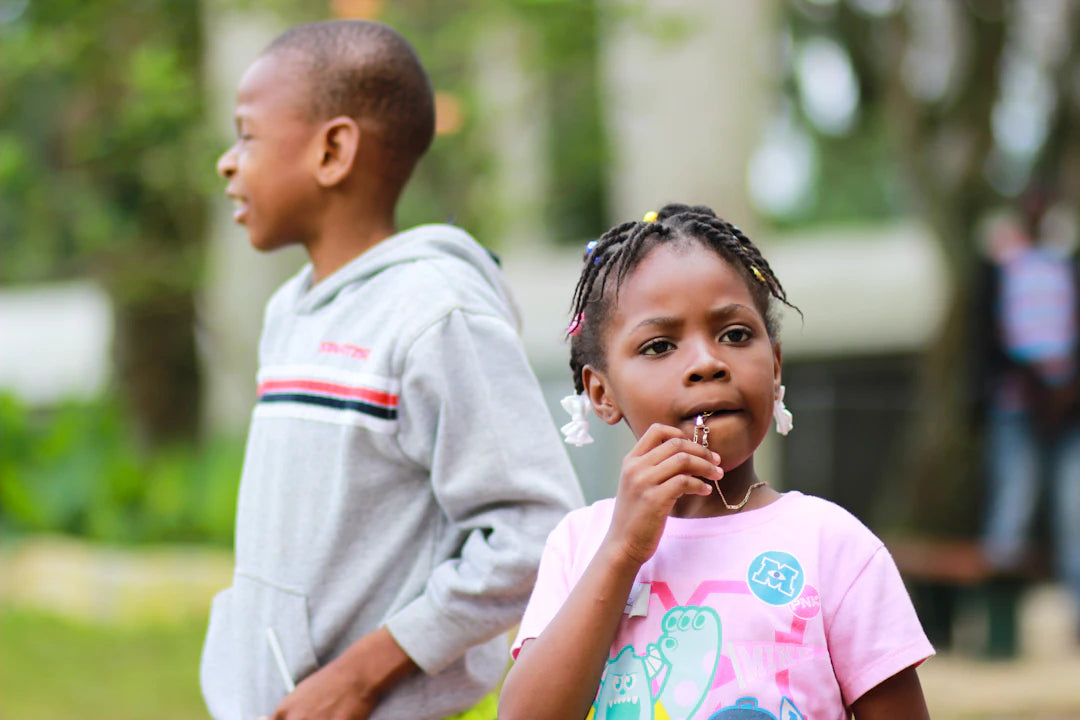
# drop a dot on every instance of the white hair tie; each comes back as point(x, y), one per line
point(576, 431)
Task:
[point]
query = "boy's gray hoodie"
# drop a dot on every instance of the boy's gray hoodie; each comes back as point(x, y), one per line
point(401, 470)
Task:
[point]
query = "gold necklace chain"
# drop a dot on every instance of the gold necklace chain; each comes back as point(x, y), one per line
point(746, 498)
point(699, 425)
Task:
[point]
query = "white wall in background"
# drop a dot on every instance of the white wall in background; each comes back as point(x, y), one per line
point(55, 341)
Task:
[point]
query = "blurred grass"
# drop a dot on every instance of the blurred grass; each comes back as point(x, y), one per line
point(53, 668)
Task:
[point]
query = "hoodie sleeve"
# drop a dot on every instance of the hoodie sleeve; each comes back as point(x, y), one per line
point(498, 470)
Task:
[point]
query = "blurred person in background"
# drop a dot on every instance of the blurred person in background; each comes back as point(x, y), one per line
point(1027, 303)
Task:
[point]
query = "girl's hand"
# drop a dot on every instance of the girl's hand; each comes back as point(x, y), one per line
point(659, 470)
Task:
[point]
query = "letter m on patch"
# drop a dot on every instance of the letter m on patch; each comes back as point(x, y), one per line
point(776, 575)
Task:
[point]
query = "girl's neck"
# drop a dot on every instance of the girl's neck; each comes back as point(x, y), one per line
point(738, 483)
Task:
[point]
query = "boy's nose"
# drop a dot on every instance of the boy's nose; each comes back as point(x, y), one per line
point(226, 164)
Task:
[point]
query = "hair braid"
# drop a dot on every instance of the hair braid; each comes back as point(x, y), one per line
point(758, 260)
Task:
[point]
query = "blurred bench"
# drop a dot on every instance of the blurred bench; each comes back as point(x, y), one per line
point(949, 576)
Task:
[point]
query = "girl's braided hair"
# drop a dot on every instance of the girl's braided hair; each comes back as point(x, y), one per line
point(618, 252)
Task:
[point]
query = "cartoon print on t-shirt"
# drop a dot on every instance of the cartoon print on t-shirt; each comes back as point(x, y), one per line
point(747, 709)
point(625, 690)
point(775, 577)
point(690, 649)
point(672, 680)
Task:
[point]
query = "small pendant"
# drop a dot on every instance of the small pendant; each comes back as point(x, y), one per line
point(700, 428)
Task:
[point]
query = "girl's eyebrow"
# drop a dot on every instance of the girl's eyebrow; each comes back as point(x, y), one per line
point(728, 310)
point(661, 322)
point(666, 321)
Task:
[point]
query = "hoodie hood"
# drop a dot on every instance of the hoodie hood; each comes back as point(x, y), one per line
point(421, 242)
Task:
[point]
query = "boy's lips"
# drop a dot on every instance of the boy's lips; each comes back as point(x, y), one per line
point(241, 209)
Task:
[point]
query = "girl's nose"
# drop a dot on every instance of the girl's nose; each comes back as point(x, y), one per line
point(226, 164)
point(707, 365)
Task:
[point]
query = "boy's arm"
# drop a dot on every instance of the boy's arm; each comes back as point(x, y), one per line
point(349, 686)
point(472, 411)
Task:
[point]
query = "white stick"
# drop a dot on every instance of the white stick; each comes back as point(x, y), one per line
point(279, 658)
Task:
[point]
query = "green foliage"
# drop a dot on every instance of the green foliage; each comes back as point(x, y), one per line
point(857, 177)
point(562, 52)
point(102, 142)
point(76, 470)
point(577, 141)
point(104, 159)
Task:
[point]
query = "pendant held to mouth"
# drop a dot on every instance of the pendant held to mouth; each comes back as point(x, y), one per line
point(702, 428)
point(701, 434)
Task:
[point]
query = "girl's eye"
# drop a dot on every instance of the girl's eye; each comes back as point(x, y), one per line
point(736, 335)
point(657, 347)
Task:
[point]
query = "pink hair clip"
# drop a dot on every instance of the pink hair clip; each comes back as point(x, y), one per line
point(575, 325)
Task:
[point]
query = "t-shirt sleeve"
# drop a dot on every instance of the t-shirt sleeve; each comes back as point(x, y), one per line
point(875, 632)
point(553, 585)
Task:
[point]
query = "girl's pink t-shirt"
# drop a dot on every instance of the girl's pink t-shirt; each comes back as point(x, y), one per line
point(790, 611)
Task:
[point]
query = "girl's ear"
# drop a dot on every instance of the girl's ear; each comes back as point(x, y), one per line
point(339, 142)
point(599, 394)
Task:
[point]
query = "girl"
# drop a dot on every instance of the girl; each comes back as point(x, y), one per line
point(700, 591)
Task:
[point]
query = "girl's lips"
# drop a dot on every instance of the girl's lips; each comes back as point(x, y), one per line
point(707, 415)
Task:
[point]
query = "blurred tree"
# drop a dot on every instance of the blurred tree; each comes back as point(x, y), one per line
point(563, 54)
point(979, 100)
point(102, 153)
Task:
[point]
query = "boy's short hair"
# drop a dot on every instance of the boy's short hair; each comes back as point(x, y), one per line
point(367, 71)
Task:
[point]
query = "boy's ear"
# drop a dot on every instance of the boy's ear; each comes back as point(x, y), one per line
point(339, 142)
point(596, 389)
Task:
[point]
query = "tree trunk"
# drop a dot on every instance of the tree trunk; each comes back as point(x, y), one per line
point(157, 366)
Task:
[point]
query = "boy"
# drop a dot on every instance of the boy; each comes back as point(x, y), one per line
point(402, 471)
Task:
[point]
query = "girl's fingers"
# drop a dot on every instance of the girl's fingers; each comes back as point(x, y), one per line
point(667, 440)
point(678, 465)
point(678, 454)
point(687, 471)
point(656, 435)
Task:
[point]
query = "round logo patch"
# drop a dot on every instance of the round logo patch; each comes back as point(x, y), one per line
point(775, 577)
point(808, 604)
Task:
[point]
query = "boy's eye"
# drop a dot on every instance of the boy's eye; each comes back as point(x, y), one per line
point(657, 347)
point(736, 335)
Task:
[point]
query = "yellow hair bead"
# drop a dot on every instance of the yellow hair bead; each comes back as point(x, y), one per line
point(650, 216)
point(757, 273)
